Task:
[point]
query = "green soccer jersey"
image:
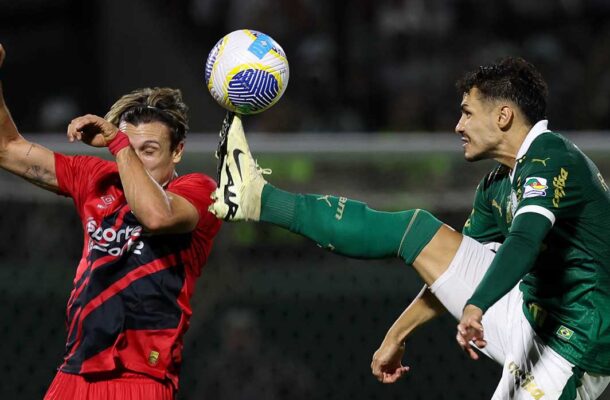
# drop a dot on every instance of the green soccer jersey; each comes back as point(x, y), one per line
point(567, 292)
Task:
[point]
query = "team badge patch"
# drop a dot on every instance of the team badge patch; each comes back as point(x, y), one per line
point(512, 202)
point(153, 358)
point(534, 187)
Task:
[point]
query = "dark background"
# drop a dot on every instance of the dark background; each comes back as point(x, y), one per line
point(357, 65)
point(275, 317)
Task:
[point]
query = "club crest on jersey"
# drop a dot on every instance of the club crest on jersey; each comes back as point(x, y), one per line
point(534, 187)
point(512, 202)
point(153, 358)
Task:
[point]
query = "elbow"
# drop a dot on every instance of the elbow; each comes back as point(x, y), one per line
point(5, 144)
point(162, 224)
point(155, 222)
point(8, 144)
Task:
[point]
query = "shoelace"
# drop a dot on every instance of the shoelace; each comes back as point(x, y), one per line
point(261, 170)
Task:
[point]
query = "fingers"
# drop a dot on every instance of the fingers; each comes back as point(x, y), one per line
point(81, 122)
point(77, 126)
point(390, 375)
point(476, 325)
point(471, 353)
point(72, 133)
point(470, 333)
point(387, 371)
point(464, 343)
point(393, 376)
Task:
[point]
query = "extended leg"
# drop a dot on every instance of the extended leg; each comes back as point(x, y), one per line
point(345, 226)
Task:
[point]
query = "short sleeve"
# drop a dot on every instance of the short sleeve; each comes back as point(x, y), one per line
point(197, 189)
point(75, 174)
point(549, 186)
point(481, 224)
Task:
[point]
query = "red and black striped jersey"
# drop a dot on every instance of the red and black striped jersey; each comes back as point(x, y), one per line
point(130, 304)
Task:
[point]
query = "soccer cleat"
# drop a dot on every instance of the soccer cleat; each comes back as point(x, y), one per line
point(240, 179)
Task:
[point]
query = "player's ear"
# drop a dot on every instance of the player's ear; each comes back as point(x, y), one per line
point(505, 117)
point(177, 153)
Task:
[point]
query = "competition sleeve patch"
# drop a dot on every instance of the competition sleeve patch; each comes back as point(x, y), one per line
point(534, 186)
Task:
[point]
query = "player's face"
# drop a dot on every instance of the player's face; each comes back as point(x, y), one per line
point(151, 142)
point(478, 127)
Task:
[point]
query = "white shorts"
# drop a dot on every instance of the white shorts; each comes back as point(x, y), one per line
point(531, 370)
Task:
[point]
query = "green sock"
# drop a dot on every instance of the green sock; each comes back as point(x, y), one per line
point(350, 227)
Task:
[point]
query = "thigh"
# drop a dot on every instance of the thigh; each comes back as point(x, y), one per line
point(457, 285)
point(470, 263)
point(592, 386)
point(533, 370)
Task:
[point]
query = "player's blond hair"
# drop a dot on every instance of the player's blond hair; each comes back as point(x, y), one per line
point(153, 104)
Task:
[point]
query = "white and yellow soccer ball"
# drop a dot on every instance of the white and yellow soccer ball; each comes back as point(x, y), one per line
point(246, 72)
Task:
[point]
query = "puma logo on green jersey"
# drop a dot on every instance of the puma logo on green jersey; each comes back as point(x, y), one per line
point(326, 199)
point(494, 203)
point(541, 161)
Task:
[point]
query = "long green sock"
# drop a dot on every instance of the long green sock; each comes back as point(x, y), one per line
point(349, 227)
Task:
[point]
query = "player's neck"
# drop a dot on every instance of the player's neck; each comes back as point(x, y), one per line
point(513, 140)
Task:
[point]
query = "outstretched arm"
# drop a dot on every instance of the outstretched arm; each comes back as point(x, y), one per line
point(28, 160)
point(387, 360)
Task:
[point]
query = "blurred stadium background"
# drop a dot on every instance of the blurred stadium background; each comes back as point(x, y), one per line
point(367, 114)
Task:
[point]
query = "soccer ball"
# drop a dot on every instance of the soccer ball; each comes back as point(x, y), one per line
point(246, 72)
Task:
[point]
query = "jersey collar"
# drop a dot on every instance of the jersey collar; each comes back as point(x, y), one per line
point(538, 129)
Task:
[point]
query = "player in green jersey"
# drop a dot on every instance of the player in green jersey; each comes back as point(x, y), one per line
point(546, 202)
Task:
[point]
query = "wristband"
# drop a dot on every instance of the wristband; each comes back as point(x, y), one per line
point(118, 143)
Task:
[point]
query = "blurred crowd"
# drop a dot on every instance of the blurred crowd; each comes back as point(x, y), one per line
point(359, 65)
point(391, 65)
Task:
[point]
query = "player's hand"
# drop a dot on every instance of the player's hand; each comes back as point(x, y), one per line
point(387, 361)
point(92, 130)
point(470, 329)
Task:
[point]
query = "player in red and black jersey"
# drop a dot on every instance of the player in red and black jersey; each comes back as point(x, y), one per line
point(147, 234)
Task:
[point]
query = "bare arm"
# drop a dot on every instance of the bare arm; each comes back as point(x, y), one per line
point(28, 160)
point(387, 360)
point(157, 210)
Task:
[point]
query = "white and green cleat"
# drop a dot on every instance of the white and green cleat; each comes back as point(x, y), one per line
point(240, 179)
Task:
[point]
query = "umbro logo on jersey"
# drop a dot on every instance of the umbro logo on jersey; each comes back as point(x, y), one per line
point(106, 201)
